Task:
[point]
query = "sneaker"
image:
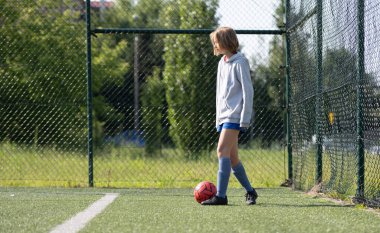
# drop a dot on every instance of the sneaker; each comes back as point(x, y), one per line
point(250, 197)
point(215, 200)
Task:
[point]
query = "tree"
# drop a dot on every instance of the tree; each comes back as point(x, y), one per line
point(45, 73)
point(152, 114)
point(189, 73)
point(339, 89)
point(150, 65)
point(40, 72)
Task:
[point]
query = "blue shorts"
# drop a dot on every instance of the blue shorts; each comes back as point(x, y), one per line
point(229, 126)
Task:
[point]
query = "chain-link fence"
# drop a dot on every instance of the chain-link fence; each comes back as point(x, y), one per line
point(152, 98)
point(334, 60)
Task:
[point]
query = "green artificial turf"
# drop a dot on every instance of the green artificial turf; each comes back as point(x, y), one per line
point(278, 210)
point(174, 210)
point(39, 210)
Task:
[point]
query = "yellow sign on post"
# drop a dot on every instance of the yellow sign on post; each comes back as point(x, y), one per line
point(331, 118)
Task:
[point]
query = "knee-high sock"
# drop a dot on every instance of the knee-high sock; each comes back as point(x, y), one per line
point(223, 176)
point(240, 174)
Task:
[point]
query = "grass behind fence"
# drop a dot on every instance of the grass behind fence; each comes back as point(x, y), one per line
point(128, 167)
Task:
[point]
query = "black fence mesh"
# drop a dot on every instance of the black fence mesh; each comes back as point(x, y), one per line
point(42, 92)
point(333, 106)
point(153, 93)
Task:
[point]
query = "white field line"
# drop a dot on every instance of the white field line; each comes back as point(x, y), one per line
point(80, 220)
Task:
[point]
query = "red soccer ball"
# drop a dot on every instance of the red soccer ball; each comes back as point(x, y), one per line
point(204, 191)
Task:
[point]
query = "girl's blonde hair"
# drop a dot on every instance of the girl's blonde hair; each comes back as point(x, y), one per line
point(227, 39)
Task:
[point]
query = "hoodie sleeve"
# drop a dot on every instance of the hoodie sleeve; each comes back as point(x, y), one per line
point(217, 96)
point(244, 76)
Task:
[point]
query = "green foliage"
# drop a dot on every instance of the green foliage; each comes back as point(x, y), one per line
point(109, 67)
point(37, 91)
point(184, 75)
point(43, 92)
point(153, 100)
point(147, 13)
point(118, 16)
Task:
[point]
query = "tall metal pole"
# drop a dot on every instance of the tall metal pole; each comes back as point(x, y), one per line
point(102, 7)
point(90, 150)
point(318, 108)
point(288, 94)
point(136, 75)
point(359, 99)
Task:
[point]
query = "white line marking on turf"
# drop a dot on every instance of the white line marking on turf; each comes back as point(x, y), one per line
point(80, 220)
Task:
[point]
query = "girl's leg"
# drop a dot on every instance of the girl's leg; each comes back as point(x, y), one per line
point(234, 155)
point(241, 176)
point(238, 169)
point(228, 138)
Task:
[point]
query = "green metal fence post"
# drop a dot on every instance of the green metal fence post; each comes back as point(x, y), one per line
point(288, 94)
point(318, 108)
point(89, 98)
point(359, 98)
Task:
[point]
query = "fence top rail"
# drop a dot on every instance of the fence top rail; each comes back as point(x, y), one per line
point(178, 31)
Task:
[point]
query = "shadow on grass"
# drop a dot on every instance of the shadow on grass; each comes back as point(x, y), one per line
point(303, 205)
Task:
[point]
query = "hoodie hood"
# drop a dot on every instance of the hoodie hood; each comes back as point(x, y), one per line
point(234, 57)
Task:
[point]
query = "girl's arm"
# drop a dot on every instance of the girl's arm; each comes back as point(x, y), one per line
point(247, 89)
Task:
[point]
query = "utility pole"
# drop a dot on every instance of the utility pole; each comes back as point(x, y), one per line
point(136, 71)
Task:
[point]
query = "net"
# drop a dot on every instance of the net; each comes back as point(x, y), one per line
point(335, 96)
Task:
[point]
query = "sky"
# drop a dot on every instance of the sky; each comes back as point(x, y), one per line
point(250, 14)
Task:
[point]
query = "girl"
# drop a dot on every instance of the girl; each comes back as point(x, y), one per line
point(234, 101)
